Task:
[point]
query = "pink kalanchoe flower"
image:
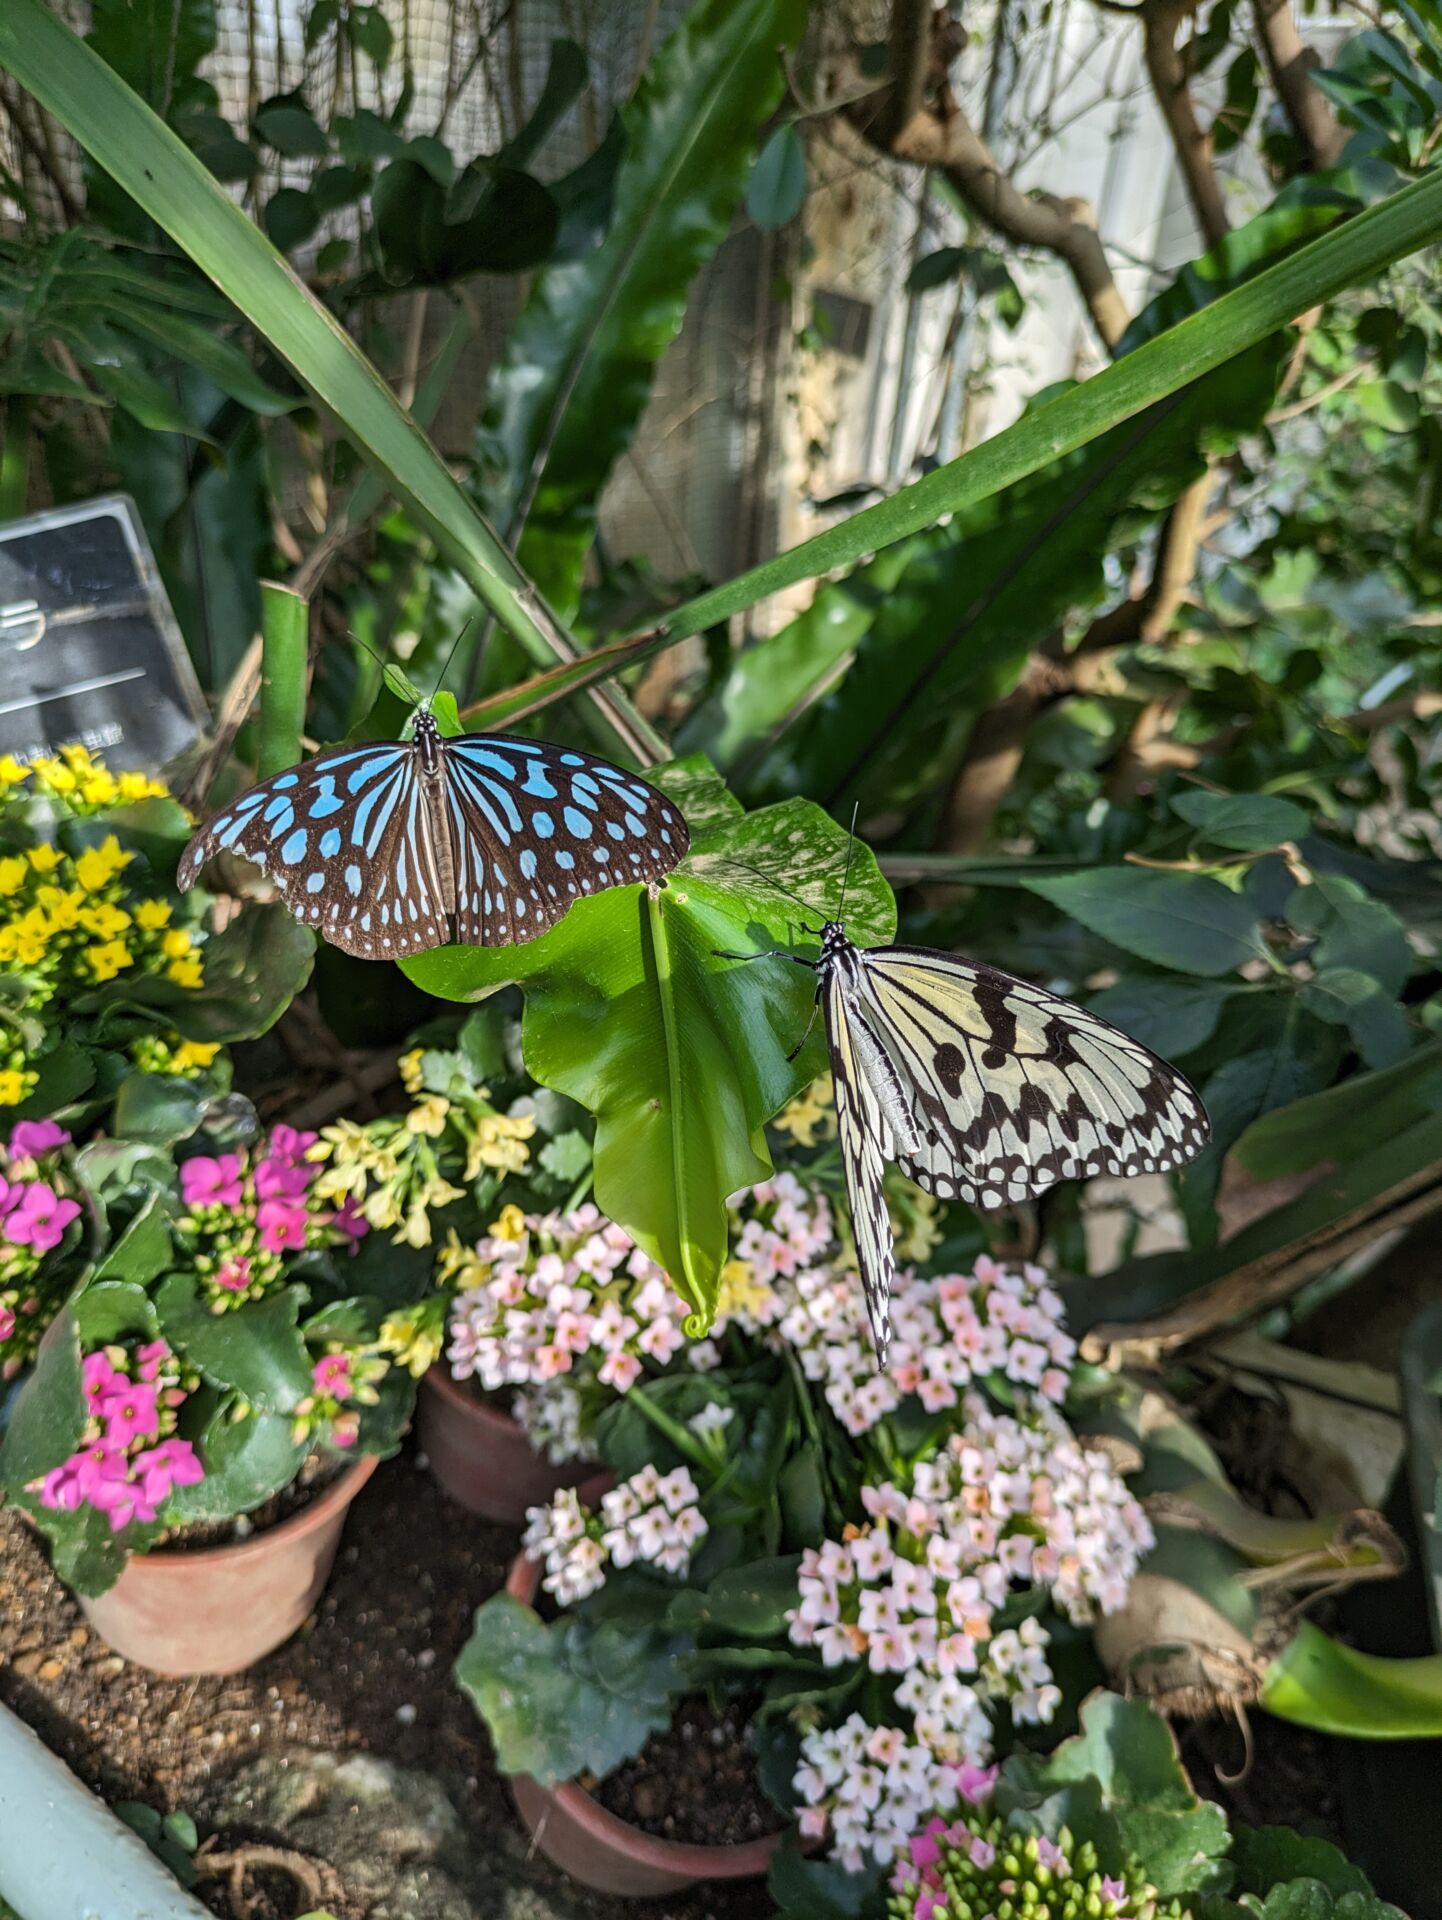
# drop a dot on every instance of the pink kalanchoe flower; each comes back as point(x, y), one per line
point(40, 1219)
point(212, 1182)
point(7, 1321)
point(290, 1145)
point(31, 1138)
point(99, 1378)
point(1113, 1889)
point(982, 1852)
point(151, 1358)
point(233, 1273)
point(121, 1501)
point(174, 1463)
point(281, 1179)
point(976, 1784)
point(1049, 1854)
point(925, 1850)
point(928, 1905)
point(12, 1192)
point(131, 1413)
point(349, 1220)
point(331, 1374)
point(282, 1225)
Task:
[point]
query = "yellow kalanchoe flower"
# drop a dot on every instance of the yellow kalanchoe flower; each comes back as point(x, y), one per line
point(13, 874)
point(186, 973)
point(176, 944)
point(510, 1224)
point(98, 866)
point(500, 1142)
point(812, 1111)
point(428, 1116)
point(44, 858)
point(108, 960)
point(152, 914)
point(409, 1068)
point(104, 920)
point(11, 771)
point(13, 1087)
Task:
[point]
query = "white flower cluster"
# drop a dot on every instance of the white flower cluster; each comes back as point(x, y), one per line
point(870, 1788)
point(946, 1333)
point(915, 1593)
point(652, 1519)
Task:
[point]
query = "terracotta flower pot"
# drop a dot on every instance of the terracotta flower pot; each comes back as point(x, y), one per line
point(598, 1848)
point(221, 1609)
point(480, 1455)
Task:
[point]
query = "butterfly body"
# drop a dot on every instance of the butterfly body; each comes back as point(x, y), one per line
point(981, 1088)
point(398, 846)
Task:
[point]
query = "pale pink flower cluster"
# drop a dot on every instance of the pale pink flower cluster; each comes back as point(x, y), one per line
point(869, 1788)
point(566, 1289)
point(915, 1593)
point(652, 1519)
point(946, 1333)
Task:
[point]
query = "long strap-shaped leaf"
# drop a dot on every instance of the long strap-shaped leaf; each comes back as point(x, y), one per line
point(132, 144)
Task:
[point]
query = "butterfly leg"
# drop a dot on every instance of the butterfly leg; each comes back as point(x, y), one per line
point(766, 953)
point(815, 1009)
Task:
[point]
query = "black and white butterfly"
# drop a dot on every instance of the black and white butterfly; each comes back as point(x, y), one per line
point(981, 1088)
point(393, 847)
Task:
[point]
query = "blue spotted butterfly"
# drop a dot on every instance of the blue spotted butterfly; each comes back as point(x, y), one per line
point(394, 847)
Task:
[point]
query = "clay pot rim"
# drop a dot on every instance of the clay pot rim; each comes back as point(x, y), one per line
point(730, 1860)
point(168, 1562)
point(439, 1379)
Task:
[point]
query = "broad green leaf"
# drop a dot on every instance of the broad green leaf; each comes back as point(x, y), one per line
point(113, 1310)
point(197, 343)
point(1353, 930)
point(248, 1457)
point(1347, 997)
point(809, 1889)
point(749, 1600)
point(1318, 1682)
point(776, 190)
point(158, 1107)
point(291, 218)
point(1172, 1017)
point(565, 81)
point(680, 1055)
point(47, 1417)
point(1127, 1751)
point(1347, 1119)
point(287, 125)
point(549, 1710)
point(284, 674)
point(1251, 822)
point(254, 1350)
point(1298, 1058)
point(577, 370)
point(142, 1251)
point(508, 224)
point(1182, 920)
point(253, 970)
point(1262, 1857)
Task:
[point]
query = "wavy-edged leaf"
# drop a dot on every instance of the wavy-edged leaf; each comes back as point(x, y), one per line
point(1183, 920)
point(577, 370)
point(254, 1350)
point(680, 1055)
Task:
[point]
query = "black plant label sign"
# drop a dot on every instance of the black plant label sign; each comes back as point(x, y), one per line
point(89, 647)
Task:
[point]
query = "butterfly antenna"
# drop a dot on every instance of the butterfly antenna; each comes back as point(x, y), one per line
point(366, 647)
point(775, 885)
point(446, 664)
point(846, 870)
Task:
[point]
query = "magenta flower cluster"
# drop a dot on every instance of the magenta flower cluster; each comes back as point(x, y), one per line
point(36, 1212)
point(247, 1211)
point(132, 1459)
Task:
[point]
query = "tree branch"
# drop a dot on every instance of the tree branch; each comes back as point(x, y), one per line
point(911, 22)
point(1167, 68)
point(1290, 63)
point(1065, 227)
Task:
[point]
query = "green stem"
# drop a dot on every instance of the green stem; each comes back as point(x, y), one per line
point(15, 457)
point(284, 653)
point(142, 154)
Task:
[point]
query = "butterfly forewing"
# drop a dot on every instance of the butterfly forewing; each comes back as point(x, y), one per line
point(867, 1139)
point(390, 849)
point(1013, 1089)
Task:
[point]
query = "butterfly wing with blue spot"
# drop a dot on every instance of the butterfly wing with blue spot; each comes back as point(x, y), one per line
point(534, 828)
point(501, 837)
point(351, 845)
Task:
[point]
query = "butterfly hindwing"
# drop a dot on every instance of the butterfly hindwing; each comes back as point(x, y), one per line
point(537, 827)
point(1013, 1088)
